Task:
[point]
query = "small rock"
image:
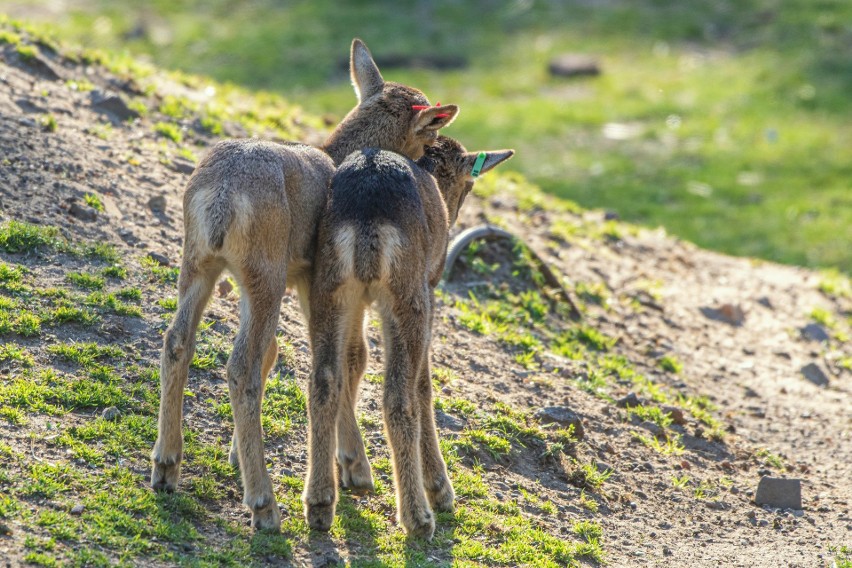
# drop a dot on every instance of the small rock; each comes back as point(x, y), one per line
point(603, 467)
point(78, 509)
point(628, 401)
point(225, 287)
point(655, 429)
point(815, 374)
point(676, 414)
point(718, 505)
point(82, 212)
point(611, 216)
point(727, 465)
point(183, 166)
point(562, 416)
point(112, 104)
point(814, 332)
point(685, 464)
point(157, 203)
point(110, 413)
point(5, 531)
point(160, 259)
point(765, 302)
point(779, 492)
point(573, 65)
point(733, 314)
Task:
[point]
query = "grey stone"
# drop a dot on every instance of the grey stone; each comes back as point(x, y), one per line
point(183, 166)
point(82, 212)
point(160, 259)
point(729, 313)
point(112, 104)
point(573, 65)
point(157, 203)
point(779, 492)
point(225, 287)
point(628, 401)
point(814, 332)
point(815, 374)
point(110, 413)
point(562, 416)
point(676, 414)
point(78, 509)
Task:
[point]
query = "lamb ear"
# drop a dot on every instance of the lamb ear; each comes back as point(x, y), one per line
point(492, 159)
point(364, 73)
point(434, 118)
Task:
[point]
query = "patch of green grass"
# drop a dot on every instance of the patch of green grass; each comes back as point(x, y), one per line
point(671, 446)
point(170, 131)
point(13, 415)
point(86, 280)
point(21, 237)
point(114, 271)
point(11, 272)
point(169, 304)
point(163, 274)
point(70, 314)
point(770, 458)
point(834, 284)
point(651, 414)
point(460, 406)
point(111, 302)
point(670, 363)
point(842, 555)
point(588, 477)
point(14, 352)
point(85, 354)
point(131, 293)
point(9, 37)
point(824, 317)
point(27, 52)
point(102, 251)
point(93, 201)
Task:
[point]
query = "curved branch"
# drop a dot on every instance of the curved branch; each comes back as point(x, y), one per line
point(492, 233)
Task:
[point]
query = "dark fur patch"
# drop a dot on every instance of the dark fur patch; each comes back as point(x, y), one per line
point(373, 188)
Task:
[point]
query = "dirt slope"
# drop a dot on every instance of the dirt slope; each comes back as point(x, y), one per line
point(723, 399)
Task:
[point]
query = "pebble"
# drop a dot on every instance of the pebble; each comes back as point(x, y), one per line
point(112, 104)
point(78, 509)
point(676, 414)
point(779, 492)
point(814, 332)
point(225, 287)
point(814, 373)
point(628, 401)
point(157, 203)
point(562, 416)
point(110, 413)
point(160, 259)
point(82, 212)
point(573, 65)
point(182, 166)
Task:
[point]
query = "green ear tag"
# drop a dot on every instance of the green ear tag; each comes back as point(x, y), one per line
point(477, 165)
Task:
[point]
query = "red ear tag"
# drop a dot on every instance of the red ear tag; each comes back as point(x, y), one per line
point(418, 108)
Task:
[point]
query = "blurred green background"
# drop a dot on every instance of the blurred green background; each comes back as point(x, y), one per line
point(725, 121)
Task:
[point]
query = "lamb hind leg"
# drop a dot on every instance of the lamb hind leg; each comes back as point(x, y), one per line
point(351, 456)
point(269, 360)
point(405, 336)
point(327, 327)
point(194, 287)
point(258, 320)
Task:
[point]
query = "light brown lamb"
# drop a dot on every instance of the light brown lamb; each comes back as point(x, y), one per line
point(383, 239)
point(252, 207)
